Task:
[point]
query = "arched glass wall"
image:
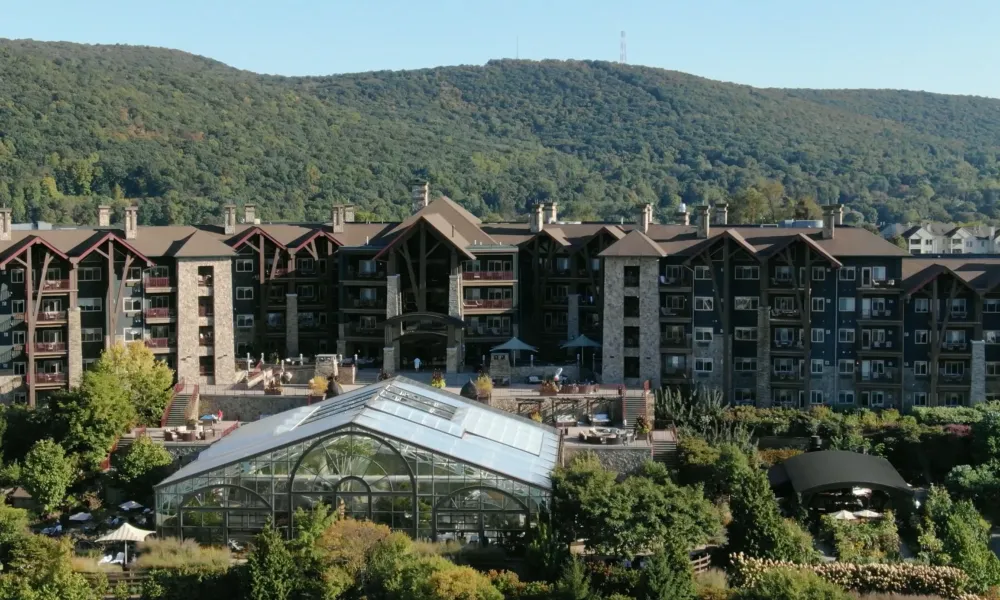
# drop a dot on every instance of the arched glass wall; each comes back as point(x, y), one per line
point(408, 488)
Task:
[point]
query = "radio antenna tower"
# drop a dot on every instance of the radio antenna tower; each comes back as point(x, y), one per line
point(622, 55)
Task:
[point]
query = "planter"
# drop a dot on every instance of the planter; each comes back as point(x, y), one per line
point(548, 393)
point(272, 392)
point(484, 398)
point(570, 389)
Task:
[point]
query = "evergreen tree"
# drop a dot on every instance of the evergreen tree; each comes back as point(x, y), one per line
point(668, 575)
point(271, 571)
point(757, 528)
point(574, 583)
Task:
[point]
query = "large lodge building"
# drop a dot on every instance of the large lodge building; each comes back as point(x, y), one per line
point(777, 316)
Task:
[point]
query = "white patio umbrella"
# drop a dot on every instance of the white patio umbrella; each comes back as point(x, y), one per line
point(130, 505)
point(844, 515)
point(126, 533)
point(867, 514)
point(80, 517)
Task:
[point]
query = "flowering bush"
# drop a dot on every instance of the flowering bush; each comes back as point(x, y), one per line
point(773, 456)
point(902, 578)
point(863, 541)
point(437, 380)
point(549, 387)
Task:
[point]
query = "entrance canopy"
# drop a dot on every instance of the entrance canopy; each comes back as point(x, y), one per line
point(816, 472)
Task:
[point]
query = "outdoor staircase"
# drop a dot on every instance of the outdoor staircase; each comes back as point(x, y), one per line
point(664, 447)
point(632, 407)
point(177, 413)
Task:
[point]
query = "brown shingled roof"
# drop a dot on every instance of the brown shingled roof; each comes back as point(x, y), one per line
point(981, 274)
point(635, 243)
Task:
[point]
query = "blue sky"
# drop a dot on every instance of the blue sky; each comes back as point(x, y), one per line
point(940, 46)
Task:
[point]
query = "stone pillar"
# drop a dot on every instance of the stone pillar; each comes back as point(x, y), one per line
point(649, 321)
point(455, 296)
point(291, 325)
point(452, 354)
point(75, 348)
point(389, 360)
point(393, 301)
point(393, 308)
point(451, 359)
point(613, 322)
point(222, 322)
point(187, 321)
point(763, 356)
point(572, 316)
point(977, 393)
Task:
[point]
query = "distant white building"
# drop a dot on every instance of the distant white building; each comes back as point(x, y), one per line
point(946, 238)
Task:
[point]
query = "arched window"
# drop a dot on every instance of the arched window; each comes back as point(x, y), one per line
point(480, 514)
point(217, 514)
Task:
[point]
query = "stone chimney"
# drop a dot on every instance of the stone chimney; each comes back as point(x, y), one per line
point(349, 213)
point(229, 219)
point(5, 224)
point(337, 218)
point(553, 210)
point(682, 217)
point(721, 213)
point(131, 222)
point(646, 217)
point(537, 218)
point(704, 221)
point(104, 216)
point(249, 214)
point(840, 215)
point(829, 220)
point(421, 194)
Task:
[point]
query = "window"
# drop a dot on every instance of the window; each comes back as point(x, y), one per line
point(133, 334)
point(91, 304)
point(703, 334)
point(816, 397)
point(244, 321)
point(276, 293)
point(747, 302)
point(919, 398)
point(783, 273)
point(53, 274)
point(991, 337)
point(847, 274)
point(784, 303)
point(816, 366)
point(818, 304)
point(244, 265)
point(993, 368)
point(366, 267)
point(673, 303)
point(745, 364)
point(877, 398)
point(306, 292)
point(704, 303)
point(701, 272)
point(88, 363)
point(921, 305)
point(845, 366)
point(920, 367)
point(819, 274)
point(244, 293)
point(782, 366)
point(92, 335)
point(846, 304)
point(845, 398)
point(89, 274)
point(20, 368)
point(920, 336)
point(133, 305)
point(845, 336)
point(17, 306)
point(703, 365)
point(744, 396)
point(747, 273)
point(18, 338)
point(671, 273)
point(991, 305)
point(746, 334)
point(954, 369)
point(305, 264)
point(17, 276)
point(818, 335)
point(953, 399)
point(134, 274)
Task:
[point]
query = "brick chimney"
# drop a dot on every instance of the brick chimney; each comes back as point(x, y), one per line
point(537, 218)
point(5, 224)
point(131, 222)
point(420, 194)
point(646, 217)
point(682, 217)
point(721, 213)
point(249, 214)
point(104, 216)
point(553, 210)
point(229, 219)
point(829, 220)
point(704, 221)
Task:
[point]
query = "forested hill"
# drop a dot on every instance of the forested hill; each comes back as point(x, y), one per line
point(182, 135)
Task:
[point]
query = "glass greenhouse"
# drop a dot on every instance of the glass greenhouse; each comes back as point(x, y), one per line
point(418, 459)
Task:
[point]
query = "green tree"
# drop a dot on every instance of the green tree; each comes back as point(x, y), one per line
point(574, 584)
point(757, 528)
point(668, 575)
point(142, 465)
point(806, 208)
point(791, 584)
point(47, 473)
point(271, 570)
point(144, 380)
point(900, 242)
point(749, 206)
point(89, 419)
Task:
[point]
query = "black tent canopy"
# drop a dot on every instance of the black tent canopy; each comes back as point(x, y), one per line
point(815, 472)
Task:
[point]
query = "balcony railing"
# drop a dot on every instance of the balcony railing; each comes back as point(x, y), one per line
point(205, 280)
point(157, 282)
point(365, 331)
point(50, 346)
point(880, 283)
point(280, 272)
point(781, 281)
point(355, 274)
point(887, 375)
point(673, 340)
point(483, 331)
point(959, 314)
point(159, 342)
point(676, 281)
point(206, 311)
point(559, 300)
point(675, 372)
point(488, 304)
point(787, 375)
point(953, 378)
point(667, 311)
point(366, 302)
point(159, 313)
point(789, 344)
point(206, 341)
point(54, 284)
point(488, 275)
point(876, 314)
point(51, 315)
point(785, 313)
point(955, 346)
point(46, 378)
point(883, 345)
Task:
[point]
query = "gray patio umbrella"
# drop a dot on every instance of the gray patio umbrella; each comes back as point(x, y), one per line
point(513, 345)
point(581, 341)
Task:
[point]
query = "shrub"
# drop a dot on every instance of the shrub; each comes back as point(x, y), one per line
point(608, 579)
point(790, 584)
point(773, 456)
point(863, 541)
point(944, 415)
point(512, 588)
point(172, 553)
point(757, 528)
point(712, 585)
point(902, 578)
point(46, 474)
point(317, 386)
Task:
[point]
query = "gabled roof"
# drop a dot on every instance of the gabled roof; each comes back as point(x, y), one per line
point(23, 245)
point(441, 226)
point(100, 239)
point(635, 243)
point(978, 274)
point(808, 241)
point(727, 234)
point(407, 411)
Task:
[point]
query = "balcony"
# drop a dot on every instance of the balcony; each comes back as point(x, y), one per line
point(876, 314)
point(557, 300)
point(366, 303)
point(54, 285)
point(958, 315)
point(957, 346)
point(781, 282)
point(159, 343)
point(160, 313)
point(357, 330)
point(783, 375)
point(877, 346)
point(675, 372)
point(631, 282)
point(887, 376)
point(785, 313)
point(483, 331)
point(784, 344)
point(673, 341)
point(676, 313)
point(674, 281)
point(495, 304)
point(156, 282)
point(880, 284)
point(46, 379)
point(280, 272)
point(946, 378)
point(51, 316)
point(206, 311)
point(364, 275)
point(50, 347)
point(488, 275)
point(205, 280)
point(206, 341)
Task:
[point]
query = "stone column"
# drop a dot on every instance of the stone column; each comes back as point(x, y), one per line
point(393, 308)
point(187, 321)
point(389, 360)
point(977, 393)
point(291, 325)
point(572, 316)
point(649, 321)
point(75, 348)
point(451, 359)
point(222, 323)
point(763, 356)
point(613, 348)
point(454, 310)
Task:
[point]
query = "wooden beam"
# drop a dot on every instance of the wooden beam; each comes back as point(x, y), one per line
point(265, 291)
point(121, 288)
point(311, 247)
point(405, 251)
point(422, 300)
point(29, 340)
point(21, 261)
point(274, 263)
point(41, 284)
point(108, 315)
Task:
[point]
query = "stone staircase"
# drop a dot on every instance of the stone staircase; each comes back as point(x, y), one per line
point(177, 413)
point(664, 447)
point(632, 407)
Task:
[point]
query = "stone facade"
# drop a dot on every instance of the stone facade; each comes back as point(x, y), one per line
point(249, 408)
point(572, 316)
point(74, 347)
point(393, 308)
point(977, 393)
point(453, 357)
point(649, 315)
point(451, 360)
point(613, 320)
point(389, 360)
point(291, 324)
point(763, 356)
point(188, 321)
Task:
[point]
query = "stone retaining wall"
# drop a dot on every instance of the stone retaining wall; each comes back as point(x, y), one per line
point(249, 408)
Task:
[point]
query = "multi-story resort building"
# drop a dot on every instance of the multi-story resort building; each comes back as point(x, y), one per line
point(776, 316)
